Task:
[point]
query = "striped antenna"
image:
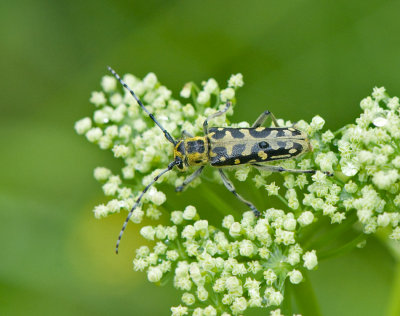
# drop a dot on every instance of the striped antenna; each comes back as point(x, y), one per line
point(166, 134)
point(170, 166)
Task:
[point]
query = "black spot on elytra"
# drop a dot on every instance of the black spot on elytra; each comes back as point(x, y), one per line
point(265, 132)
point(217, 134)
point(263, 145)
point(236, 133)
point(296, 132)
point(238, 149)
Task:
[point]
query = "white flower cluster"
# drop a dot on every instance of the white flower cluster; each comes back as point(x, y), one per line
point(244, 264)
point(225, 270)
point(364, 159)
point(370, 157)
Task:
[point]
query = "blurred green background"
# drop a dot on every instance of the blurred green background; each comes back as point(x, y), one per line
point(299, 58)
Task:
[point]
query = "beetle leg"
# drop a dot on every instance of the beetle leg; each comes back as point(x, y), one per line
point(189, 179)
point(231, 188)
point(205, 124)
point(263, 117)
point(281, 169)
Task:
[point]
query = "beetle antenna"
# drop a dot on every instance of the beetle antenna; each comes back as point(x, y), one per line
point(167, 135)
point(170, 166)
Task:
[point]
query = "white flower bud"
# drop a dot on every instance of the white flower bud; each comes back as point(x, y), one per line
point(100, 211)
point(179, 310)
point(186, 91)
point(306, 218)
point(395, 234)
point(228, 221)
point(101, 173)
point(147, 232)
point(202, 293)
point(188, 232)
point(289, 224)
point(270, 276)
point(154, 274)
point(235, 229)
point(227, 94)
point(189, 213)
point(383, 219)
point(108, 83)
point(239, 305)
point(295, 276)
point(246, 248)
point(120, 151)
point(236, 81)
point(203, 97)
point(310, 260)
point(98, 98)
point(150, 80)
point(94, 134)
point(317, 123)
point(209, 311)
point(177, 217)
point(83, 125)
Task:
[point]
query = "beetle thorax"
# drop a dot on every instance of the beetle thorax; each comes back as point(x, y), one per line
point(193, 151)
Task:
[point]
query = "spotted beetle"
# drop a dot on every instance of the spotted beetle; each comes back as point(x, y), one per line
point(226, 146)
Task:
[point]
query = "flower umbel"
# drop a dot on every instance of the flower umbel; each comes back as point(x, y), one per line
point(242, 262)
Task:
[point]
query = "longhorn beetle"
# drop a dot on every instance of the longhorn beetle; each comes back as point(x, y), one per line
point(228, 146)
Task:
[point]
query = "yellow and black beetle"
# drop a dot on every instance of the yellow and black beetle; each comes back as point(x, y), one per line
point(227, 146)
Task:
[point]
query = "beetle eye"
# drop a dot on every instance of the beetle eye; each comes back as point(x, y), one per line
point(179, 162)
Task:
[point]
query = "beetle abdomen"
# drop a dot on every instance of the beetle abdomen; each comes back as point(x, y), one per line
point(234, 146)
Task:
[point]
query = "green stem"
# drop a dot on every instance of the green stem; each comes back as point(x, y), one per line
point(332, 234)
point(287, 307)
point(341, 130)
point(219, 203)
point(280, 197)
point(343, 249)
point(394, 301)
point(305, 297)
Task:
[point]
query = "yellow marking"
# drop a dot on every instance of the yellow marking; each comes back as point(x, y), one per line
point(280, 157)
point(252, 160)
point(245, 132)
point(247, 150)
point(292, 151)
point(273, 134)
point(213, 154)
point(288, 145)
point(228, 136)
point(259, 129)
point(287, 133)
point(237, 161)
point(291, 129)
point(220, 128)
point(274, 145)
point(223, 158)
point(262, 155)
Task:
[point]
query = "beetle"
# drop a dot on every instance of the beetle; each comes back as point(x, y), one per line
point(227, 146)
